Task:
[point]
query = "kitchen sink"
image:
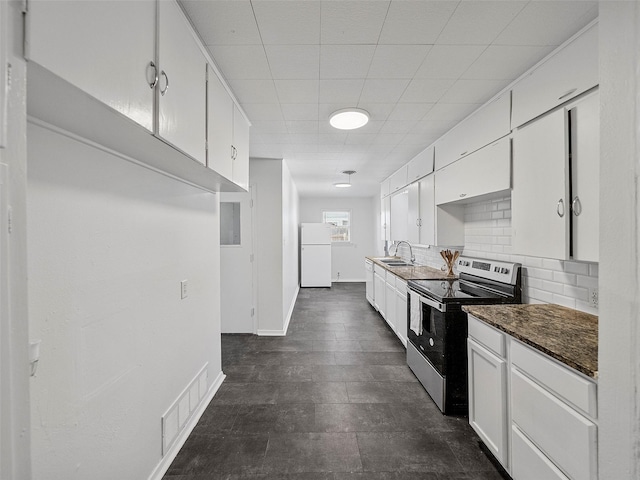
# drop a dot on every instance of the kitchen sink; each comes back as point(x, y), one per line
point(397, 264)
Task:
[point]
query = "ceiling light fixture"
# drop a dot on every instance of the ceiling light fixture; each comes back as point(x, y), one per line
point(349, 118)
point(348, 182)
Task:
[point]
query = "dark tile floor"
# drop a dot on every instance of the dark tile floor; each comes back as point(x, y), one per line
point(333, 400)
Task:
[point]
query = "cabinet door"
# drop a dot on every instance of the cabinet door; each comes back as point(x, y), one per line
point(385, 219)
point(380, 292)
point(568, 73)
point(540, 213)
point(182, 97)
point(385, 187)
point(104, 48)
point(413, 213)
point(488, 399)
point(399, 215)
point(483, 172)
point(421, 165)
point(585, 158)
point(219, 127)
point(241, 149)
point(398, 180)
point(426, 192)
point(368, 271)
point(390, 302)
point(401, 311)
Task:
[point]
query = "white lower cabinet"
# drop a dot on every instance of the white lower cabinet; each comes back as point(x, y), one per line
point(379, 288)
point(401, 310)
point(536, 415)
point(368, 270)
point(390, 301)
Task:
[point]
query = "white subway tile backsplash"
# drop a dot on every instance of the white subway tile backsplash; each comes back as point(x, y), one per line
point(576, 267)
point(593, 269)
point(563, 277)
point(553, 287)
point(552, 264)
point(540, 273)
point(578, 293)
point(587, 282)
point(564, 301)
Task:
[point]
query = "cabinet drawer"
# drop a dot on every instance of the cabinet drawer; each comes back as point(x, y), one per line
point(488, 336)
point(391, 280)
point(529, 463)
point(562, 381)
point(562, 434)
point(401, 286)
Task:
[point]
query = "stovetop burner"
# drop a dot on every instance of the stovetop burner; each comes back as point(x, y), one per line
point(454, 290)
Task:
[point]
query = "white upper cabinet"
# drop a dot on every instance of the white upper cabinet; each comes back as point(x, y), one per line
point(385, 218)
point(398, 180)
point(385, 187)
point(105, 48)
point(556, 163)
point(219, 127)
point(540, 214)
point(413, 213)
point(487, 124)
point(181, 84)
point(240, 148)
point(439, 225)
point(485, 171)
point(399, 215)
point(567, 73)
point(421, 165)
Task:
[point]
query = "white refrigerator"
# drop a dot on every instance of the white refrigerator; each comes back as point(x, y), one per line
point(315, 258)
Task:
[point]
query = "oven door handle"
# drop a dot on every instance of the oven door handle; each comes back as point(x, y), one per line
point(433, 304)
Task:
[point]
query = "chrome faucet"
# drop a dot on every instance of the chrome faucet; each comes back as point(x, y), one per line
point(413, 257)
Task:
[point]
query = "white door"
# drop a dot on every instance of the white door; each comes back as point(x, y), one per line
point(236, 265)
point(316, 266)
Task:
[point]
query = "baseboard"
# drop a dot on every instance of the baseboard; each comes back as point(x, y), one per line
point(349, 280)
point(283, 332)
point(165, 462)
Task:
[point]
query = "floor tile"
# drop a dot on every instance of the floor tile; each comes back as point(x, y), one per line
point(281, 418)
point(386, 392)
point(312, 392)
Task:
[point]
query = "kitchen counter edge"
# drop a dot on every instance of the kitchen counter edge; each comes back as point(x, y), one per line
point(415, 272)
point(567, 335)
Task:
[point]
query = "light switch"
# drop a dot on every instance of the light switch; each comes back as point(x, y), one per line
point(183, 289)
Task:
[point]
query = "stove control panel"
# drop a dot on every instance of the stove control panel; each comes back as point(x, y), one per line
point(505, 272)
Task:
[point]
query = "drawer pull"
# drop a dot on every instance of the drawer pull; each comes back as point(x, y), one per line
point(567, 93)
point(463, 195)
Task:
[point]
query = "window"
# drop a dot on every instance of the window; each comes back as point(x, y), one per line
point(341, 221)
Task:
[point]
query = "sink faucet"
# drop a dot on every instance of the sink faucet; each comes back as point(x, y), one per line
point(413, 257)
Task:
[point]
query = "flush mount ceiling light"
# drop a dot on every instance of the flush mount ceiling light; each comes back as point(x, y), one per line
point(348, 182)
point(349, 118)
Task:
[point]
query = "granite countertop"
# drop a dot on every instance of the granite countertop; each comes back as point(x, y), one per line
point(570, 336)
point(415, 272)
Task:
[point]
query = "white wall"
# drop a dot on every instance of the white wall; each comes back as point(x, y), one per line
point(109, 243)
point(347, 259)
point(619, 332)
point(290, 216)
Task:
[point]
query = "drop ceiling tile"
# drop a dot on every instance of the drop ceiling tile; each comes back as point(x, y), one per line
point(301, 126)
point(360, 138)
point(297, 91)
point(505, 62)
point(418, 140)
point(388, 139)
point(241, 61)
point(410, 111)
point(266, 151)
point(263, 111)
point(449, 61)
point(345, 61)
point(341, 91)
point(300, 111)
point(397, 61)
point(352, 22)
point(334, 148)
point(548, 22)
point(332, 138)
point(383, 90)
point(222, 22)
point(426, 90)
point(415, 22)
point(473, 91)
point(294, 61)
point(287, 22)
point(304, 138)
point(269, 127)
point(449, 112)
point(397, 127)
point(254, 91)
point(378, 112)
point(479, 23)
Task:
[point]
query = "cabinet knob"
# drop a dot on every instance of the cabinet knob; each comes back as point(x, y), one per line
point(153, 84)
point(166, 79)
point(463, 195)
point(560, 208)
point(566, 94)
point(576, 206)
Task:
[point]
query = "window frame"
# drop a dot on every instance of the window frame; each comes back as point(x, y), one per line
point(334, 226)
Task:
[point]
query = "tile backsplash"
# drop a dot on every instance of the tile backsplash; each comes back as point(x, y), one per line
point(544, 280)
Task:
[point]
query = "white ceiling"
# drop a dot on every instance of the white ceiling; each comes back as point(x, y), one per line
point(417, 66)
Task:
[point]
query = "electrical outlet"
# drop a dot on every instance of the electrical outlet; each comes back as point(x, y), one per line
point(183, 289)
point(593, 297)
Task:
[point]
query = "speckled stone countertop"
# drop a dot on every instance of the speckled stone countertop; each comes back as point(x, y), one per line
point(416, 272)
point(568, 335)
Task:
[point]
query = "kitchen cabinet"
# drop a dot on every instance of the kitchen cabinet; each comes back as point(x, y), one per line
point(385, 187)
point(401, 310)
point(399, 215)
point(487, 124)
point(486, 171)
point(182, 83)
point(421, 165)
point(385, 219)
point(555, 183)
point(398, 180)
point(437, 225)
point(379, 289)
point(569, 72)
point(227, 133)
point(390, 301)
point(4, 87)
point(117, 41)
point(368, 271)
point(487, 367)
point(413, 213)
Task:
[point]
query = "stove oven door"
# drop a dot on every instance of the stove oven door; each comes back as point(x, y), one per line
point(430, 337)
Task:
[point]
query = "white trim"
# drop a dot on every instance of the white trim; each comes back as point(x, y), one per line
point(166, 461)
point(283, 332)
point(349, 280)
